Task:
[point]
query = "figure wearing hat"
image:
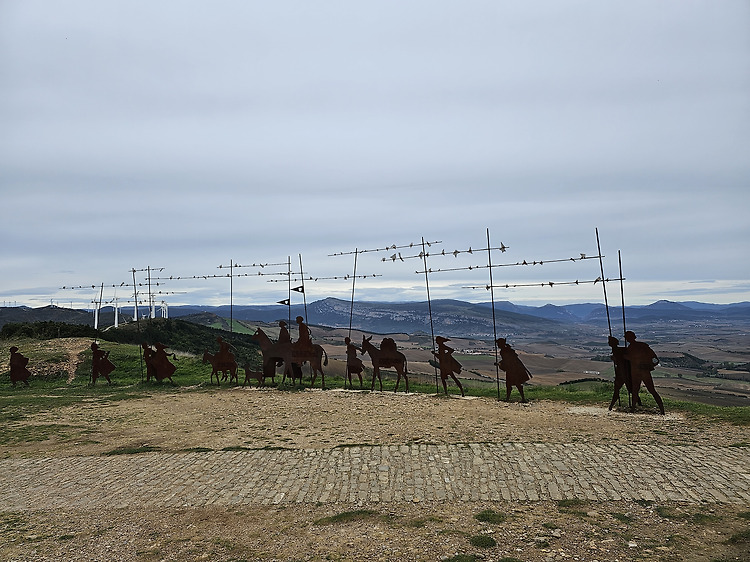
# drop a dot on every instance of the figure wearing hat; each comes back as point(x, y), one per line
point(642, 361)
point(516, 372)
point(284, 336)
point(18, 370)
point(353, 363)
point(304, 343)
point(101, 366)
point(449, 366)
point(622, 372)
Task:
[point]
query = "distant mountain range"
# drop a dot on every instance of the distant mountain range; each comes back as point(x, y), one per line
point(449, 317)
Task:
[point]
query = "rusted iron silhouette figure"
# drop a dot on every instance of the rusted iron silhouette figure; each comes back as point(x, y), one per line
point(304, 342)
point(18, 370)
point(622, 373)
point(148, 359)
point(284, 336)
point(449, 366)
point(291, 356)
point(642, 361)
point(222, 362)
point(516, 372)
point(353, 363)
point(101, 366)
point(259, 376)
point(389, 357)
point(158, 364)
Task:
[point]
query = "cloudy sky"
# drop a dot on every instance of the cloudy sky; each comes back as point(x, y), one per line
point(187, 135)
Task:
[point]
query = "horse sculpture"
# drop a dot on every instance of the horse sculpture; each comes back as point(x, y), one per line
point(221, 365)
point(387, 356)
point(291, 356)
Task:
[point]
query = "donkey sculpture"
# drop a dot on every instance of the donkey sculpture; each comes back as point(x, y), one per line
point(386, 356)
point(226, 367)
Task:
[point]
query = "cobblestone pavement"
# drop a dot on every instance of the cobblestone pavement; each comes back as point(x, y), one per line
point(394, 473)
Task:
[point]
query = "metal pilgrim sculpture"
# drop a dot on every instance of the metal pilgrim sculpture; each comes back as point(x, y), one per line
point(622, 374)
point(633, 363)
point(18, 370)
point(449, 366)
point(354, 364)
point(292, 355)
point(642, 361)
point(101, 366)
point(222, 362)
point(387, 356)
point(157, 362)
point(516, 372)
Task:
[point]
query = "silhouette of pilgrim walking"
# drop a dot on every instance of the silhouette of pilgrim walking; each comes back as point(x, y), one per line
point(516, 372)
point(622, 373)
point(18, 370)
point(449, 366)
point(101, 366)
point(353, 363)
point(642, 361)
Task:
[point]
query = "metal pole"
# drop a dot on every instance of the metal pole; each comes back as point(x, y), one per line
point(289, 287)
point(302, 276)
point(429, 308)
point(354, 281)
point(494, 323)
point(137, 322)
point(151, 312)
point(604, 284)
point(622, 297)
point(632, 392)
point(231, 297)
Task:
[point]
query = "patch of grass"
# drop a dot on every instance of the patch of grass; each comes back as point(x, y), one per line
point(550, 525)
point(744, 515)
point(65, 537)
point(704, 518)
point(462, 558)
point(743, 537)
point(197, 450)
point(131, 450)
point(36, 432)
point(236, 448)
point(422, 522)
point(347, 517)
point(622, 518)
point(483, 541)
point(490, 516)
point(571, 507)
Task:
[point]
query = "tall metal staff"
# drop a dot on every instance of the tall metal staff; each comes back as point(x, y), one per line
point(137, 322)
point(494, 322)
point(604, 285)
point(429, 309)
point(622, 298)
point(606, 305)
point(301, 288)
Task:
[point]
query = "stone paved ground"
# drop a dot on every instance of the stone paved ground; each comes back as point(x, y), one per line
point(390, 473)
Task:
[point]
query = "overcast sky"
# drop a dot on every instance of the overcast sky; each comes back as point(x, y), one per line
point(185, 135)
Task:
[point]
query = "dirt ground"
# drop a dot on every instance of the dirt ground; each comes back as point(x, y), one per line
point(250, 417)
